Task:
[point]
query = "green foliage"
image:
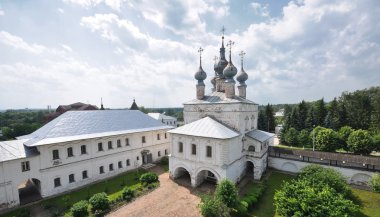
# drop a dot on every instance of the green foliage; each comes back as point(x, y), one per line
point(100, 202)
point(148, 178)
point(241, 209)
point(226, 192)
point(22, 212)
point(266, 119)
point(374, 182)
point(326, 140)
point(252, 195)
point(303, 138)
point(360, 142)
point(302, 198)
point(164, 160)
point(344, 132)
point(128, 194)
point(211, 207)
point(80, 209)
point(291, 137)
point(376, 142)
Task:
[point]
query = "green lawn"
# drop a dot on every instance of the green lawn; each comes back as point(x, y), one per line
point(369, 201)
point(265, 207)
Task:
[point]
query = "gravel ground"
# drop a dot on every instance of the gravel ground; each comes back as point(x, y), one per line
point(169, 200)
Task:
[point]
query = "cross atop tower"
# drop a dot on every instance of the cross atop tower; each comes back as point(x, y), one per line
point(200, 50)
point(223, 30)
point(230, 44)
point(241, 54)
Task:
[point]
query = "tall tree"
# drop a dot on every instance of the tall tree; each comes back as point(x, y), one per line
point(271, 123)
point(261, 121)
point(320, 112)
point(302, 115)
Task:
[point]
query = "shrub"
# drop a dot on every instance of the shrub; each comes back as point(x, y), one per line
point(344, 133)
point(241, 210)
point(227, 193)
point(100, 202)
point(291, 137)
point(211, 207)
point(360, 142)
point(80, 209)
point(148, 178)
point(253, 194)
point(128, 194)
point(164, 160)
point(326, 140)
point(374, 182)
point(303, 138)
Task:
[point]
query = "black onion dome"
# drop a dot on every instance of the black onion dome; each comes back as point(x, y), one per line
point(242, 76)
point(230, 71)
point(200, 75)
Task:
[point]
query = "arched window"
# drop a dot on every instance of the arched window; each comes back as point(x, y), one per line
point(251, 148)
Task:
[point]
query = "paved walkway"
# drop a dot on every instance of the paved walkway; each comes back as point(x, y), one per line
point(168, 200)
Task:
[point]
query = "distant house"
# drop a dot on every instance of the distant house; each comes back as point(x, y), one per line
point(280, 113)
point(72, 107)
point(168, 120)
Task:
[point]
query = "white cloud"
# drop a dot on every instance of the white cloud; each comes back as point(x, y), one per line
point(2, 13)
point(66, 47)
point(19, 43)
point(260, 9)
point(60, 10)
point(114, 4)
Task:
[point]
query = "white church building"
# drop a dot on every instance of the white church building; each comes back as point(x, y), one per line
point(220, 138)
point(76, 149)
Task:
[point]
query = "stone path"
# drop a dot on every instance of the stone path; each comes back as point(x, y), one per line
point(168, 200)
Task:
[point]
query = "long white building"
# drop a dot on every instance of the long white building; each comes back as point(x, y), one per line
point(76, 149)
point(220, 138)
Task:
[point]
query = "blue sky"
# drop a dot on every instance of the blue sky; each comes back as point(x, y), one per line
point(60, 52)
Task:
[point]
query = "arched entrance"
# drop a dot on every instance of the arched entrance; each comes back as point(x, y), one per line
point(206, 176)
point(249, 169)
point(182, 176)
point(29, 191)
point(146, 157)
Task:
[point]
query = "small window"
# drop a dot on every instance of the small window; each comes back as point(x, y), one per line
point(166, 136)
point(193, 149)
point(251, 148)
point(143, 139)
point(158, 136)
point(25, 166)
point(166, 151)
point(83, 149)
point(57, 182)
point(110, 167)
point(84, 174)
point(70, 152)
point(101, 170)
point(71, 178)
point(159, 153)
point(180, 147)
point(109, 144)
point(55, 154)
point(100, 146)
point(118, 143)
point(127, 142)
point(137, 158)
point(120, 164)
point(128, 164)
point(208, 151)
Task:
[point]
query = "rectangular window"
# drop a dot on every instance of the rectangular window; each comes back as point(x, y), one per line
point(100, 146)
point(120, 164)
point(109, 144)
point(158, 136)
point(71, 178)
point(208, 151)
point(159, 154)
point(143, 139)
point(110, 167)
point(166, 151)
point(25, 166)
point(83, 149)
point(84, 174)
point(180, 147)
point(70, 152)
point(128, 162)
point(118, 143)
point(166, 136)
point(55, 154)
point(127, 142)
point(57, 182)
point(193, 149)
point(137, 158)
point(101, 170)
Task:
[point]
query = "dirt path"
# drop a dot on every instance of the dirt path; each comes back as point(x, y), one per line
point(168, 200)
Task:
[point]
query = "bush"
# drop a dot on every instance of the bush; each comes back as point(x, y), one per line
point(376, 141)
point(253, 194)
point(303, 139)
point(326, 140)
point(164, 160)
point(291, 137)
point(128, 194)
point(80, 209)
point(100, 202)
point(360, 142)
point(211, 207)
point(148, 178)
point(374, 182)
point(241, 210)
point(344, 133)
point(227, 193)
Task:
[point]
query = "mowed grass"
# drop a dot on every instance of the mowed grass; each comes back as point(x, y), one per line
point(369, 201)
point(265, 206)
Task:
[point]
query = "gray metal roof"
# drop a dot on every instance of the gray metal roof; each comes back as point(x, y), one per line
point(206, 127)
point(75, 125)
point(15, 149)
point(259, 135)
point(219, 97)
point(159, 116)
